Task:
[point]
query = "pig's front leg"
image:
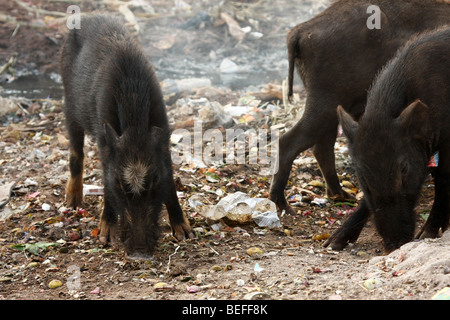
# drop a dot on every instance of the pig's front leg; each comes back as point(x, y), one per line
point(440, 212)
point(179, 224)
point(350, 230)
point(109, 228)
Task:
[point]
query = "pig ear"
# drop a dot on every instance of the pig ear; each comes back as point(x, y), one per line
point(112, 138)
point(156, 133)
point(349, 125)
point(415, 118)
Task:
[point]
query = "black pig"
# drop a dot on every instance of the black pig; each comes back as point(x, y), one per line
point(406, 121)
point(112, 93)
point(337, 56)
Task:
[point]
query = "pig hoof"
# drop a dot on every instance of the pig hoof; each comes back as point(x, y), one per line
point(109, 233)
point(183, 231)
point(282, 204)
point(74, 192)
point(335, 245)
point(425, 233)
point(73, 201)
point(288, 210)
point(341, 196)
point(339, 240)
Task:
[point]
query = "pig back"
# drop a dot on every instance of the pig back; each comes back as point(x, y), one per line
point(107, 79)
point(336, 53)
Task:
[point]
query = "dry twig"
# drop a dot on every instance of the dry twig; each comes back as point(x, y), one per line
point(40, 11)
point(10, 63)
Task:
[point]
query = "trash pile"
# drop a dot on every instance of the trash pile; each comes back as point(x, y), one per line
point(232, 44)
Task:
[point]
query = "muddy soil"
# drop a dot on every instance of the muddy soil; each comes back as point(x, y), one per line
point(50, 252)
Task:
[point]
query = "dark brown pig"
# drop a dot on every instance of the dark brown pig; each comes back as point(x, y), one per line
point(112, 93)
point(337, 57)
point(406, 121)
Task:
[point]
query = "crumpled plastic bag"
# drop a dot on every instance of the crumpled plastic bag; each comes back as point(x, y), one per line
point(241, 208)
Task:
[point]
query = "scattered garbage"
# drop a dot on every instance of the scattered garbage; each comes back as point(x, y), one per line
point(443, 294)
point(233, 27)
point(97, 290)
point(373, 283)
point(92, 190)
point(7, 105)
point(208, 111)
point(267, 219)
point(228, 66)
point(254, 252)
point(169, 86)
point(53, 284)
point(236, 111)
point(37, 149)
point(241, 208)
point(5, 193)
point(192, 289)
point(319, 201)
point(434, 161)
point(163, 287)
point(199, 21)
point(240, 282)
point(322, 236)
point(257, 268)
point(34, 248)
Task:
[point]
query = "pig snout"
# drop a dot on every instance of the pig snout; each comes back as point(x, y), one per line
point(140, 233)
point(139, 255)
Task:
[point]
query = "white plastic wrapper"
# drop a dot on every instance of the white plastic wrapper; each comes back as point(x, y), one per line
point(267, 219)
point(240, 207)
point(91, 190)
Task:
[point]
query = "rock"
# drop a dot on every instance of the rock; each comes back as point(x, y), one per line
point(5, 193)
point(162, 286)
point(373, 283)
point(228, 66)
point(322, 236)
point(317, 184)
point(444, 294)
point(257, 296)
point(216, 268)
point(254, 251)
point(54, 284)
point(240, 282)
point(347, 184)
point(192, 289)
point(7, 106)
point(74, 236)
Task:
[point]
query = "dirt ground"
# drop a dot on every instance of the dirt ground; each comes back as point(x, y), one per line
point(50, 252)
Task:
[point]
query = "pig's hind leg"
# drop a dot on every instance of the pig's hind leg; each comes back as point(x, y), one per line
point(324, 153)
point(317, 128)
point(292, 143)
